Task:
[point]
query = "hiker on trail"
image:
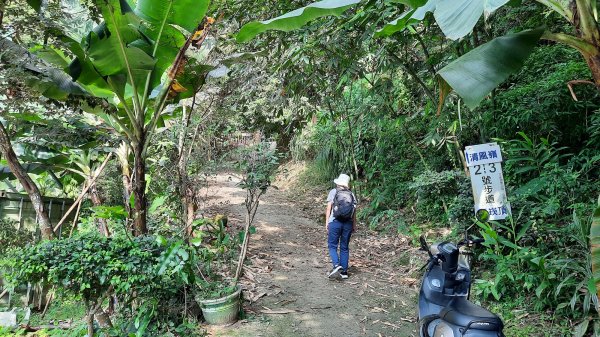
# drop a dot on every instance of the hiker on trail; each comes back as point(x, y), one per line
point(340, 222)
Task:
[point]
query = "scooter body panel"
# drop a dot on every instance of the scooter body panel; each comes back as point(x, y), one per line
point(445, 329)
point(438, 289)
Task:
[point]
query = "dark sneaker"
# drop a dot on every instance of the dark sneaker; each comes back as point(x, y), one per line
point(335, 272)
point(344, 275)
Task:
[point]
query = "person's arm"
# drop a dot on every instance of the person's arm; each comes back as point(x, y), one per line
point(327, 213)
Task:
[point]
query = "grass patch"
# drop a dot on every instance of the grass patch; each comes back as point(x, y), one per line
point(61, 309)
point(520, 321)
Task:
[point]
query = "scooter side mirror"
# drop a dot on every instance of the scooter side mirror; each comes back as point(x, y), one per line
point(424, 245)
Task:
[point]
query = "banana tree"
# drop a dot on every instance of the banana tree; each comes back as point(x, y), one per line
point(474, 75)
point(135, 62)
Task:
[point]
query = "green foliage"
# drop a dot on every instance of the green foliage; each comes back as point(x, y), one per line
point(216, 245)
point(88, 266)
point(12, 237)
point(258, 164)
point(475, 74)
point(436, 193)
point(537, 100)
point(559, 273)
point(214, 289)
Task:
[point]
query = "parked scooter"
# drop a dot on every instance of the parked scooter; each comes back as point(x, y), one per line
point(444, 306)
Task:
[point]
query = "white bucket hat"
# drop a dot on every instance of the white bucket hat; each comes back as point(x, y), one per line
point(342, 180)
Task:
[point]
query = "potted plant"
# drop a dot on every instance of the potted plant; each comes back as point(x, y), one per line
point(218, 294)
point(219, 302)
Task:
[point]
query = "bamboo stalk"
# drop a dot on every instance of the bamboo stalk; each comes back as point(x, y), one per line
point(83, 192)
point(3, 293)
point(76, 218)
point(48, 303)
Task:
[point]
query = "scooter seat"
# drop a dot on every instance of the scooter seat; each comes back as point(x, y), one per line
point(463, 313)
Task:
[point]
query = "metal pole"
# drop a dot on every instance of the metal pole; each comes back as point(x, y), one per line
point(21, 214)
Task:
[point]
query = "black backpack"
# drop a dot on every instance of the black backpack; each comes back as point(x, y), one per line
point(343, 205)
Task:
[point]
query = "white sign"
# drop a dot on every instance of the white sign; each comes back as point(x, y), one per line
point(485, 166)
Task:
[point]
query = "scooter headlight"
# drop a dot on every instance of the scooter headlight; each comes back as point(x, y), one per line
point(460, 276)
point(436, 283)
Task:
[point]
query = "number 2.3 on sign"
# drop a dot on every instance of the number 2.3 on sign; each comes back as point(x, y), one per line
point(485, 168)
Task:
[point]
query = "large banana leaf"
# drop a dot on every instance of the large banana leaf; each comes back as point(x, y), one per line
point(165, 19)
point(595, 248)
point(475, 74)
point(47, 80)
point(456, 18)
point(121, 51)
point(295, 19)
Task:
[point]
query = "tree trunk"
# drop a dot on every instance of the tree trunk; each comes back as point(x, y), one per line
point(593, 62)
point(187, 189)
point(123, 156)
point(97, 201)
point(190, 215)
point(103, 319)
point(139, 190)
point(27, 183)
point(1, 14)
point(90, 322)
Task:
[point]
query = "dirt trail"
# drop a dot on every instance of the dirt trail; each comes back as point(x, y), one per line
point(286, 281)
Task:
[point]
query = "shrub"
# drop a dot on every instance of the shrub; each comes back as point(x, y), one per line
point(11, 237)
point(96, 268)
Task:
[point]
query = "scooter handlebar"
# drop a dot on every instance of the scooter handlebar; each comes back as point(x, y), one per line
point(471, 242)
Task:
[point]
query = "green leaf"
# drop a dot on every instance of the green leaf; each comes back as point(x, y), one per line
point(183, 13)
point(117, 52)
point(161, 240)
point(495, 292)
point(156, 203)
point(165, 18)
point(477, 73)
point(411, 3)
point(170, 254)
point(458, 17)
point(52, 55)
point(407, 19)
point(110, 212)
point(581, 328)
point(192, 79)
point(540, 288)
point(295, 19)
point(508, 243)
point(35, 4)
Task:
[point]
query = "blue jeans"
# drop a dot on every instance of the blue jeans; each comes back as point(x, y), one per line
point(339, 235)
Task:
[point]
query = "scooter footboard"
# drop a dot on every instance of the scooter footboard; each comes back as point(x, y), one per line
point(445, 329)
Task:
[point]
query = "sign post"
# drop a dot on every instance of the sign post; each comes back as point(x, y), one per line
point(485, 167)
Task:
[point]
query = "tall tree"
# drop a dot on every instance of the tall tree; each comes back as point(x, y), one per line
point(122, 62)
point(32, 190)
